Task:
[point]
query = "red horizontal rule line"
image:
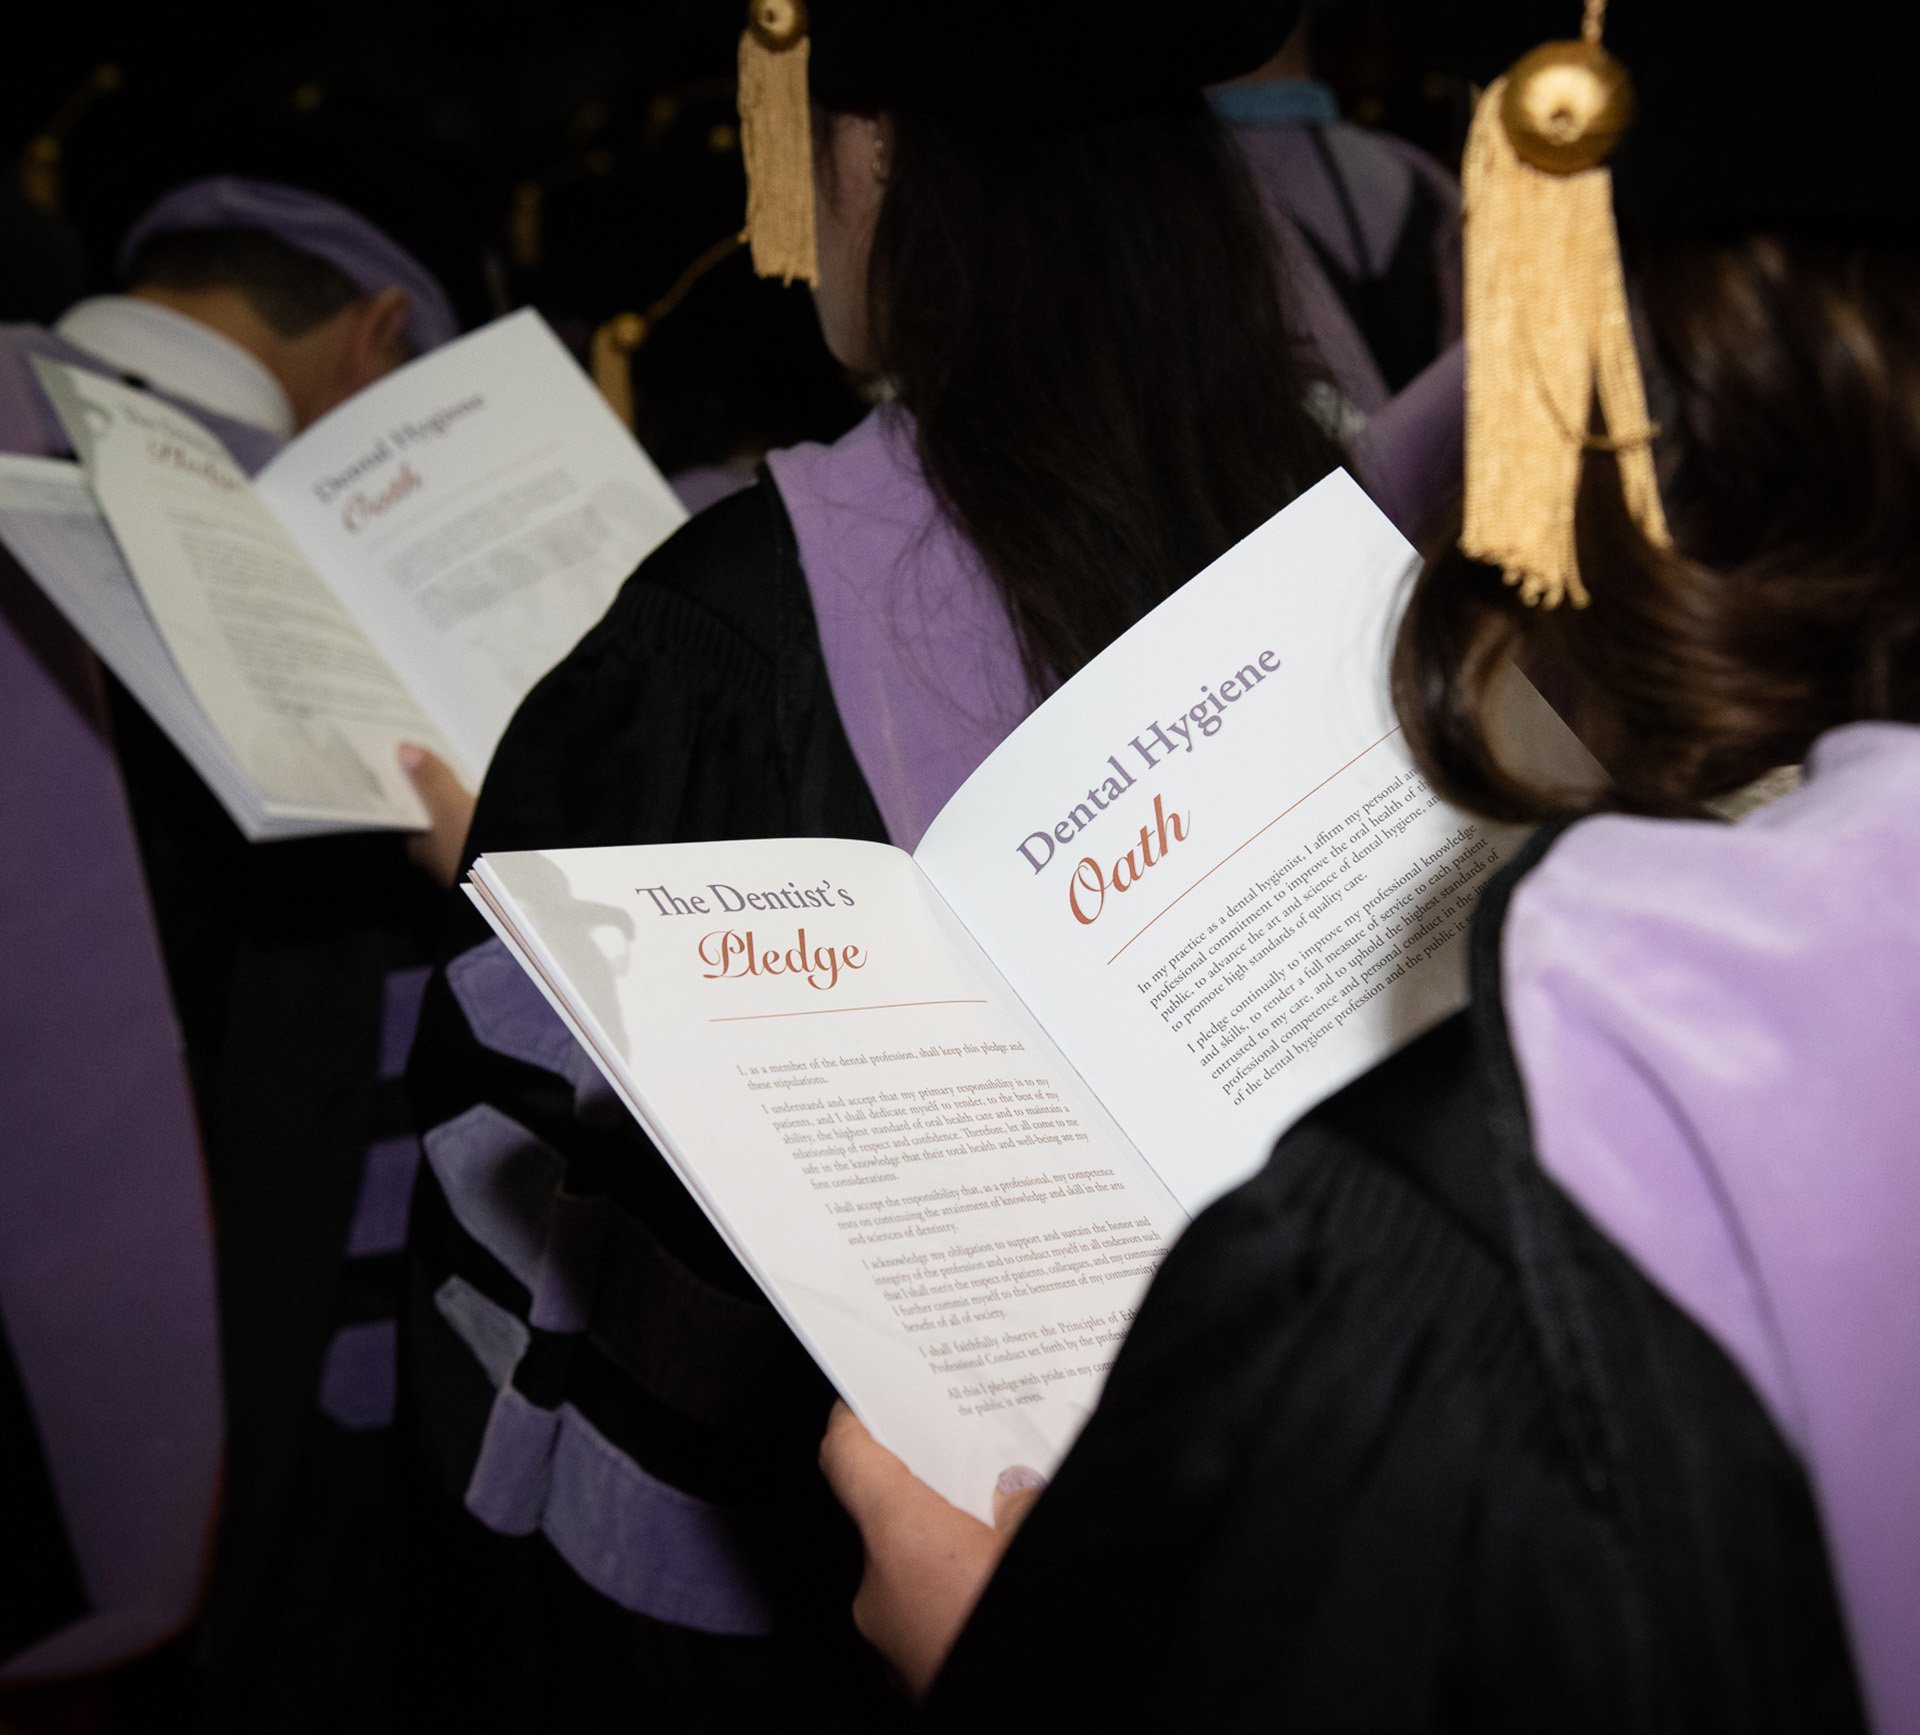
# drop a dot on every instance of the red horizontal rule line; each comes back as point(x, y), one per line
point(822, 1011)
point(1275, 820)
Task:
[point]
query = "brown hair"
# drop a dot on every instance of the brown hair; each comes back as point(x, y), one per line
point(1089, 328)
point(1785, 376)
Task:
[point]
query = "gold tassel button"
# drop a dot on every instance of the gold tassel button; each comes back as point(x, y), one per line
point(777, 24)
point(1566, 105)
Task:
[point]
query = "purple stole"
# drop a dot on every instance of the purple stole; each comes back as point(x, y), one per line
point(106, 1254)
point(1716, 1027)
point(920, 653)
point(919, 650)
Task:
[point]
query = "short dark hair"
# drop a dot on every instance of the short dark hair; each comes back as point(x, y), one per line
point(291, 290)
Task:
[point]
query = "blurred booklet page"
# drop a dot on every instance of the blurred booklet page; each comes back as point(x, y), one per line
point(951, 1108)
point(405, 570)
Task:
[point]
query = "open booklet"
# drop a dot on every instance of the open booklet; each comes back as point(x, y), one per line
point(950, 1108)
point(405, 570)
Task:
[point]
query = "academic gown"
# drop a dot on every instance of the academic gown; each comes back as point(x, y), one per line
point(616, 1437)
point(1401, 1441)
point(293, 970)
point(1370, 229)
point(619, 1517)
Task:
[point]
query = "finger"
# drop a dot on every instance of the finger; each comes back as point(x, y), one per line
point(433, 777)
point(440, 849)
point(1014, 1496)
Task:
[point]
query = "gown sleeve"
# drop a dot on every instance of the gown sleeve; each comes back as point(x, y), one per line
point(586, 1369)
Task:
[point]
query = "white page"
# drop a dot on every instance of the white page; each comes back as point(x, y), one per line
point(862, 1135)
point(305, 703)
point(53, 527)
point(1296, 901)
point(476, 511)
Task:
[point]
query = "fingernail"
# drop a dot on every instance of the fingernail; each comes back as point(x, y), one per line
point(411, 757)
point(1018, 1479)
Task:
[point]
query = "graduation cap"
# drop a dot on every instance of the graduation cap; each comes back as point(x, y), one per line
point(423, 194)
point(359, 250)
point(1726, 125)
point(1006, 66)
point(642, 270)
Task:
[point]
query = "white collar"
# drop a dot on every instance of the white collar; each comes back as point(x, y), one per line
point(181, 357)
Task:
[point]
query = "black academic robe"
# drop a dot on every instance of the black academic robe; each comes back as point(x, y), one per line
point(1400, 1441)
point(280, 957)
point(40, 1590)
point(699, 708)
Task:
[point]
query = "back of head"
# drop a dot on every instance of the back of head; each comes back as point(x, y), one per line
point(1074, 290)
point(1089, 329)
point(297, 256)
point(291, 290)
point(1771, 245)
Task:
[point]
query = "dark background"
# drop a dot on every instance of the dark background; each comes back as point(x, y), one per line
point(576, 154)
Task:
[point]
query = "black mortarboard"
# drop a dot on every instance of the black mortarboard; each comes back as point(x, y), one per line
point(1743, 115)
point(1009, 66)
point(1014, 66)
point(1694, 117)
point(1755, 116)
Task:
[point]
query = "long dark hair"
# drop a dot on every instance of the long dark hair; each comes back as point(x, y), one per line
point(1785, 376)
point(1088, 329)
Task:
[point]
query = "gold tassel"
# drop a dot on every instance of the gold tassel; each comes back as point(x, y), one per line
point(613, 347)
point(40, 168)
point(1547, 329)
point(43, 163)
point(776, 139)
point(616, 340)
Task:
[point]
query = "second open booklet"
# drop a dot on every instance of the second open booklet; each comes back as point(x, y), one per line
point(950, 1108)
point(404, 570)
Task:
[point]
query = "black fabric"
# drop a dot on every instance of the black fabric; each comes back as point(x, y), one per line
point(277, 955)
point(1747, 116)
point(40, 1587)
point(699, 708)
point(1014, 67)
point(1400, 1442)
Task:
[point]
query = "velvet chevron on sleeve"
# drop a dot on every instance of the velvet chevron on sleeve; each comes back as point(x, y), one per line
point(618, 1501)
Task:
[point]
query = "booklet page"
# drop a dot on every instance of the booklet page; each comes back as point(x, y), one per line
point(936, 1203)
point(307, 706)
point(477, 511)
point(1208, 864)
point(53, 528)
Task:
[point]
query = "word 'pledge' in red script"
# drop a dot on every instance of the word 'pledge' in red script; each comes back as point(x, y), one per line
point(732, 954)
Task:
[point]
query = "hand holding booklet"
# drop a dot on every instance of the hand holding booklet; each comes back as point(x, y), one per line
point(404, 570)
point(951, 1108)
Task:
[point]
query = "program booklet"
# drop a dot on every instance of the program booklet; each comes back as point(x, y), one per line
point(949, 1108)
point(404, 570)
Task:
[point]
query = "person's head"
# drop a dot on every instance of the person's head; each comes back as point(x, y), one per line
point(326, 301)
point(1055, 258)
point(1776, 292)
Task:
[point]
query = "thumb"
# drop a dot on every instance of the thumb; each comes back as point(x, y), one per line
point(1014, 1496)
point(449, 805)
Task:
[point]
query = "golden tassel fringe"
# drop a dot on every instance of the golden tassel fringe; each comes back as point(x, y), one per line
point(1547, 332)
point(776, 139)
point(613, 345)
